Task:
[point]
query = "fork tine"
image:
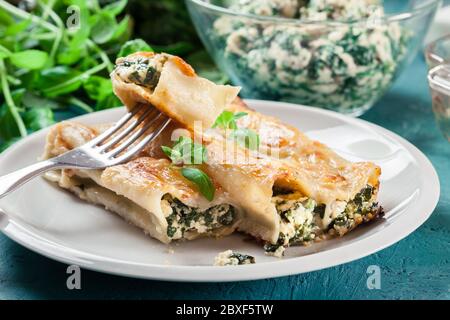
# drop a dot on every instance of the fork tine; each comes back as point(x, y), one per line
point(119, 124)
point(125, 132)
point(136, 135)
point(138, 147)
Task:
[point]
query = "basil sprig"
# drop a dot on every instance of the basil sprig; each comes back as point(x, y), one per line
point(227, 120)
point(186, 152)
point(247, 138)
point(202, 181)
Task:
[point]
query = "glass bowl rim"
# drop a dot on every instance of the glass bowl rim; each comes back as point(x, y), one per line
point(430, 51)
point(421, 9)
point(437, 82)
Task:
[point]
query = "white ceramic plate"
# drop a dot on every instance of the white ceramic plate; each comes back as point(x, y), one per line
point(56, 224)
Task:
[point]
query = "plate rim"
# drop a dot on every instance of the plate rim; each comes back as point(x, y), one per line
point(281, 267)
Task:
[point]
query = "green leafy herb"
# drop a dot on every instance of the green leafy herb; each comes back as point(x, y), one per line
point(46, 66)
point(38, 118)
point(245, 137)
point(202, 181)
point(115, 8)
point(103, 27)
point(98, 88)
point(227, 120)
point(185, 151)
point(29, 59)
point(57, 66)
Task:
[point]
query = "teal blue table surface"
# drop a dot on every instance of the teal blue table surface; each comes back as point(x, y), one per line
point(417, 267)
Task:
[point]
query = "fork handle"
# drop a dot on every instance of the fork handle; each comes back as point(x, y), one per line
point(13, 180)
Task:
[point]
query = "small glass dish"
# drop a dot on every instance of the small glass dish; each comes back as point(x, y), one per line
point(439, 80)
point(438, 52)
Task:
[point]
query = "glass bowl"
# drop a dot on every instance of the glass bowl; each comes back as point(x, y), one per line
point(438, 52)
point(333, 64)
point(437, 55)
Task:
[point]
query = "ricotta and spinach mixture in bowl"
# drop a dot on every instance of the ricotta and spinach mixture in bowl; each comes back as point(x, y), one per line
point(342, 61)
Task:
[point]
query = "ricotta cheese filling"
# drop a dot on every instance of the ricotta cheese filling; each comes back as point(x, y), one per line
point(342, 67)
point(182, 219)
point(302, 220)
point(142, 71)
point(230, 258)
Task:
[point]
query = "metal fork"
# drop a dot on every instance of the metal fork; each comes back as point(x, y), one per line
point(116, 145)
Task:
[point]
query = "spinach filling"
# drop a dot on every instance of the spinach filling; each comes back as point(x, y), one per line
point(231, 258)
point(342, 67)
point(187, 219)
point(242, 258)
point(358, 210)
point(299, 218)
point(141, 71)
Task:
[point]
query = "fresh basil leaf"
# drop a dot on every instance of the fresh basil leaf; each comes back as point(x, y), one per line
point(239, 115)
point(227, 120)
point(182, 151)
point(103, 27)
point(29, 59)
point(246, 138)
point(116, 7)
point(223, 120)
point(167, 151)
point(174, 155)
point(133, 46)
point(38, 118)
point(185, 151)
point(200, 154)
point(202, 181)
point(191, 152)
